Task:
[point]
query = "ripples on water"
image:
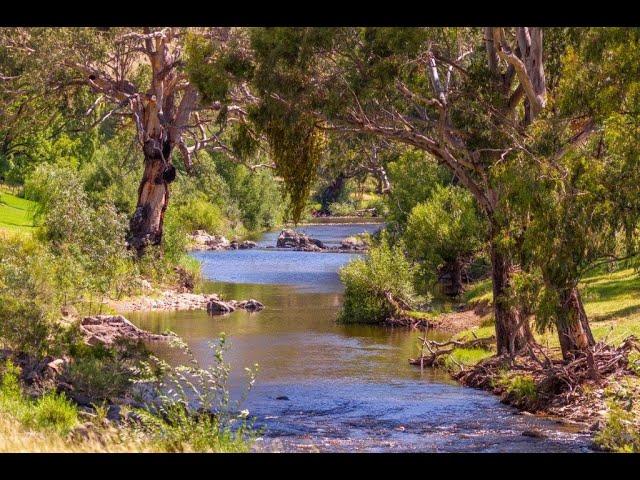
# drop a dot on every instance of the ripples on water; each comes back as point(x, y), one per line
point(349, 387)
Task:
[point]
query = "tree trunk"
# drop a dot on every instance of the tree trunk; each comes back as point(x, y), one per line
point(573, 327)
point(512, 328)
point(332, 193)
point(455, 270)
point(145, 227)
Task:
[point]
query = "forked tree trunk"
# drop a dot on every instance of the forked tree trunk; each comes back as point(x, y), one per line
point(573, 327)
point(145, 227)
point(512, 328)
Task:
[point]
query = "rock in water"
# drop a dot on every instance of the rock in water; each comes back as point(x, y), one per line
point(218, 307)
point(203, 241)
point(251, 305)
point(289, 238)
point(353, 243)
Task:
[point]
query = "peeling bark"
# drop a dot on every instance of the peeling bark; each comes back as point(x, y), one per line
point(573, 327)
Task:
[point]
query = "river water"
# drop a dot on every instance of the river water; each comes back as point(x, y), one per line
point(324, 386)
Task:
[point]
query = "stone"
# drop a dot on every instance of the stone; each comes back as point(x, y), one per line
point(353, 244)
point(218, 307)
point(107, 329)
point(289, 238)
point(251, 305)
point(247, 244)
point(56, 367)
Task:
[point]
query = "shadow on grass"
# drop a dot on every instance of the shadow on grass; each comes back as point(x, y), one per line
point(612, 289)
point(623, 312)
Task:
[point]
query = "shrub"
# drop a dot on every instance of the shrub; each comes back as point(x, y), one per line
point(446, 229)
point(24, 325)
point(367, 281)
point(522, 388)
point(621, 431)
point(53, 411)
point(192, 409)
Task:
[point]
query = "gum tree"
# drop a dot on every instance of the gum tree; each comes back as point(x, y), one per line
point(144, 76)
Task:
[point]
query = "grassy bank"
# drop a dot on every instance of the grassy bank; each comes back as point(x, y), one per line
point(16, 214)
point(612, 302)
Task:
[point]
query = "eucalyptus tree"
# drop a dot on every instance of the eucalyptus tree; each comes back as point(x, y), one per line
point(574, 188)
point(143, 76)
point(465, 96)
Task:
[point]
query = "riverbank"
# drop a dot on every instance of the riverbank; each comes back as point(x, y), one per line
point(604, 403)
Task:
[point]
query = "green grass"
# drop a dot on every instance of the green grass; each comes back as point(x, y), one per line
point(466, 357)
point(479, 292)
point(611, 300)
point(16, 214)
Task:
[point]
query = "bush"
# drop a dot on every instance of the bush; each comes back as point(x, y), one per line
point(621, 432)
point(24, 325)
point(522, 388)
point(198, 214)
point(192, 409)
point(446, 229)
point(385, 270)
point(52, 411)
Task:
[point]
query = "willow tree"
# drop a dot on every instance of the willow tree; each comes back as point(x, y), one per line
point(144, 76)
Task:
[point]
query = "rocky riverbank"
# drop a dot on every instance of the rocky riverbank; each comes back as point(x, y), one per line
point(172, 300)
point(201, 240)
point(299, 241)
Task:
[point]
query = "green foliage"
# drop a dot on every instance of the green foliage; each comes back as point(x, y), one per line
point(367, 281)
point(445, 228)
point(25, 326)
point(621, 431)
point(54, 411)
point(193, 411)
point(102, 373)
point(51, 411)
point(521, 387)
point(414, 177)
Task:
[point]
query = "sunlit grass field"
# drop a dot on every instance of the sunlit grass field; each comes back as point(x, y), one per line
point(16, 214)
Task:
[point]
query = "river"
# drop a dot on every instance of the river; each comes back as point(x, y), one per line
point(324, 386)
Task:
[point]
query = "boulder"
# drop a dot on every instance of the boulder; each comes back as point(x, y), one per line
point(250, 305)
point(247, 244)
point(218, 307)
point(204, 241)
point(353, 243)
point(289, 238)
point(107, 329)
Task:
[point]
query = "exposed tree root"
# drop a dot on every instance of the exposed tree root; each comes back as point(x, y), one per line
point(558, 384)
